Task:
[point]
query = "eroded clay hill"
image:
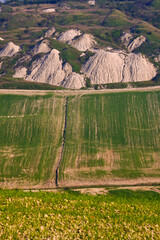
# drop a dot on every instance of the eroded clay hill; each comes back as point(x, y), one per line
point(9, 50)
point(51, 69)
point(41, 47)
point(117, 66)
point(77, 39)
point(106, 65)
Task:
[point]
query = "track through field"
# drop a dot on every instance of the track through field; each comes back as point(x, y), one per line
point(63, 143)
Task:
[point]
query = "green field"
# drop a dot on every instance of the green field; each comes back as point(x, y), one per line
point(120, 214)
point(108, 138)
point(112, 136)
point(30, 138)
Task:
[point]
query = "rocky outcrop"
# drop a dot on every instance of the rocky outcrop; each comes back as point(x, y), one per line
point(9, 50)
point(48, 69)
point(92, 2)
point(82, 55)
point(20, 72)
point(74, 81)
point(49, 10)
point(69, 35)
point(74, 37)
point(67, 68)
point(50, 32)
point(117, 66)
point(104, 67)
point(84, 42)
point(157, 59)
point(126, 38)
point(136, 43)
point(39, 39)
point(24, 59)
point(137, 68)
point(41, 47)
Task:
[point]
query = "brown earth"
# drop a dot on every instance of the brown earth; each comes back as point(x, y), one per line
point(103, 190)
point(135, 184)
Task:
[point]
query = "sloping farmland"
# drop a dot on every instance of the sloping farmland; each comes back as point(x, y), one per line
point(96, 139)
point(30, 140)
point(112, 138)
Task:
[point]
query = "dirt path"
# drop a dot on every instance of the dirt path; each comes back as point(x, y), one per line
point(103, 190)
point(116, 182)
point(63, 143)
point(75, 92)
point(98, 190)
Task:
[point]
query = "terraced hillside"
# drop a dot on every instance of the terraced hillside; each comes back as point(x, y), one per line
point(93, 139)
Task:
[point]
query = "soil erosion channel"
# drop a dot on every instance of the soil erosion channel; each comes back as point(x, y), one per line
point(63, 143)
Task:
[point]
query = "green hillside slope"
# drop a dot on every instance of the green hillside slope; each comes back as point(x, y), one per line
point(30, 138)
point(107, 21)
point(108, 138)
point(112, 136)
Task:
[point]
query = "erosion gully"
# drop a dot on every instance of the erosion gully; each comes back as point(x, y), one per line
point(63, 143)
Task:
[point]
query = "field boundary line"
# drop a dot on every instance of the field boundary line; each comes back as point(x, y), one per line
point(63, 142)
point(69, 92)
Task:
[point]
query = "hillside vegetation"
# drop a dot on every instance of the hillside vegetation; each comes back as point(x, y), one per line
point(102, 26)
point(107, 138)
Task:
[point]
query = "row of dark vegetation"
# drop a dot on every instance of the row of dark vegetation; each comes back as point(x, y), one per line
point(26, 2)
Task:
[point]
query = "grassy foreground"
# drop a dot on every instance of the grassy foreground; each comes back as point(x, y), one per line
point(121, 214)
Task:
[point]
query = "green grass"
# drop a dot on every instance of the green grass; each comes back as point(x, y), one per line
point(152, 33)
point(30, 137)
point(19, 20)
point(117, 19)
point(105, 16)
point(106, 36)
point(68, 54)
point(16, 83)
point(66, 19)
point(117, 133)
point(151, 46)
point(156, 4)
point(121, 214)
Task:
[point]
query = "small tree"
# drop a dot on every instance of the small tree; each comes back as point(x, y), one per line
point(96, 87)
point(88, 83)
